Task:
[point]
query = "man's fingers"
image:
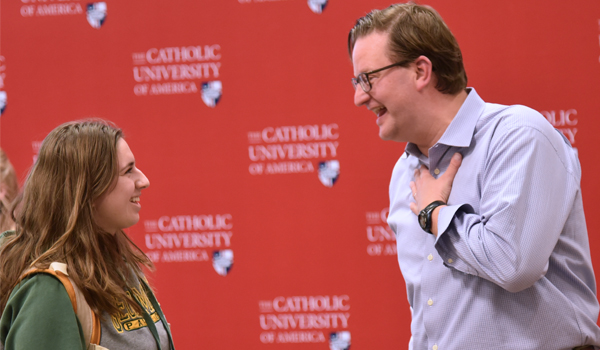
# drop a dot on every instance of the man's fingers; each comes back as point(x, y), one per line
point(413, 189)
point(455, 163)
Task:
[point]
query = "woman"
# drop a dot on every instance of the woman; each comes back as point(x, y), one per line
point(83, 190)
point(8, 191)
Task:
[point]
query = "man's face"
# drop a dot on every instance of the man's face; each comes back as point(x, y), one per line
point(392, 96)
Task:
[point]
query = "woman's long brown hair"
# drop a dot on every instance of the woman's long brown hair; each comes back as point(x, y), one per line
point(76, 164)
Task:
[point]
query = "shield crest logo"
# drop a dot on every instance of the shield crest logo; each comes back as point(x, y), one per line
point(317, 6)
point(96, 14)
point(211, 92)
point(223, 261)
point(339, 340)
point(2, 101)
point(329, 171)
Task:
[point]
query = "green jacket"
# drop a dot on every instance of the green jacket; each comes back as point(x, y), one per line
point(39, 315)
point(29, 321)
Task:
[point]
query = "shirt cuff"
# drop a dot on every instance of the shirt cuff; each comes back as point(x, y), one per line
point(445, 246)
point(445, 216)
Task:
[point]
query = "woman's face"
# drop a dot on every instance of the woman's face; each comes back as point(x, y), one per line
point(119, 207)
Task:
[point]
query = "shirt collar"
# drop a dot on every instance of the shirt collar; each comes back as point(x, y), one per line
point(462, 127)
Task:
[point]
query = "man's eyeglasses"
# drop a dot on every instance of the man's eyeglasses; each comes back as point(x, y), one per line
point(365, 82)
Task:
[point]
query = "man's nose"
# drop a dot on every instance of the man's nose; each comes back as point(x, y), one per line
point(360, 96)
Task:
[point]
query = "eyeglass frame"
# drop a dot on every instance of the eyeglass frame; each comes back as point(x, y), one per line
point(356, 81)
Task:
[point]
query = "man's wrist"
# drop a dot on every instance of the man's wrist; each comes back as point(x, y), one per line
point(425, 216)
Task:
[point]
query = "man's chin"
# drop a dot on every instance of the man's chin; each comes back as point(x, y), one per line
point(384, 136)
point(389, 137)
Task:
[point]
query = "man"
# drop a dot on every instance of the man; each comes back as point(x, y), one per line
point(485, 202)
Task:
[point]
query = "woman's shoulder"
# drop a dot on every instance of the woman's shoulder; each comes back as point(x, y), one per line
point(37, 290)
point(39, 314)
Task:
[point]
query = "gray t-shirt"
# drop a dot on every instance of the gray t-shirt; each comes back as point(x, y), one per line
point(129, 330)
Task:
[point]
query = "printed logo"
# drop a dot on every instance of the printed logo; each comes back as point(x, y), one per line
point(184, 238)
point(564, 121)
point(329, 172)
point(317, 6)
point(304, 319)
point(211, 93)
point(292, 149)
point(250, 1)
point(179, 70)
point(51, 8)
point(2, 102)
point(128, 319)
point(223, 261)
point(381, 238)
point(96, 14)
point(339, 340)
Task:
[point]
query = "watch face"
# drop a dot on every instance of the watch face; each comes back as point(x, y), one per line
point(423, 219)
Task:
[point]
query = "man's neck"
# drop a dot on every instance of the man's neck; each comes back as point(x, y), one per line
point(441, 111)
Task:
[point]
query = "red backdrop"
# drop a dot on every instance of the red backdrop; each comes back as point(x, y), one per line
point(239, 176)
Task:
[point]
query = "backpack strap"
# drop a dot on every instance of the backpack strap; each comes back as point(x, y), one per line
point(90, 323)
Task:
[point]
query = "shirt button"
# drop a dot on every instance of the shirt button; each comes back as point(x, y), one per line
point(430, 257)
point(434, 347)
point(436, 171)
point(429, 302)
point(450, 261)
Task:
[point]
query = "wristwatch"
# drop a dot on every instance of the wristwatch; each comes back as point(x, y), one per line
point(425, 215)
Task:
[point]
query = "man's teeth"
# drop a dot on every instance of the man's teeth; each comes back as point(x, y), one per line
point(379, 111)
point(135, 199)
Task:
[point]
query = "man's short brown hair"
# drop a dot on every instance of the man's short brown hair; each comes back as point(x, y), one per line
point(417, 30)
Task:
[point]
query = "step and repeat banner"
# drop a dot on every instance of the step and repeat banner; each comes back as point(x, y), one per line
point(266, 213)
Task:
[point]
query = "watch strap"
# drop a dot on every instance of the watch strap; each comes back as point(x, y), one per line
point(426, 214)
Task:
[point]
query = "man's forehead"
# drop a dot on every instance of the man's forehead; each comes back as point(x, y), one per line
point(370, 51)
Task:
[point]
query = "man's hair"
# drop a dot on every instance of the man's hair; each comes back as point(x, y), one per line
point(10, 186)
point(416, 30)
point(77, 163)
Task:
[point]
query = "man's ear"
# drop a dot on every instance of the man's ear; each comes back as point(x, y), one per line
point(424, 71)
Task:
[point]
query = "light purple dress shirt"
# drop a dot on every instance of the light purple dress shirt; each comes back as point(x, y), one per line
point(511, 267)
